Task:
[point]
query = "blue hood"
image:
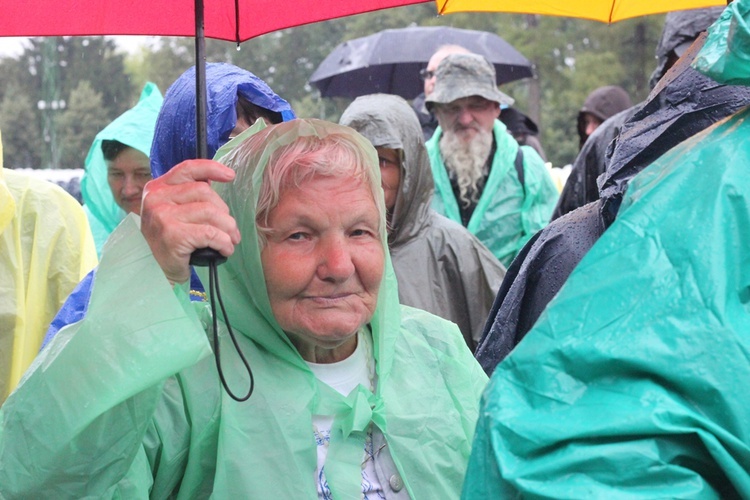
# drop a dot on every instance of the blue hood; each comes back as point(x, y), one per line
point(175, 136)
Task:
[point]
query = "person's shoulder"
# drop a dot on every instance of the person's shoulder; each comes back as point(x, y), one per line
point(566, 240)
point(421, 327)
point(505, 142)
point(444, 225)
point(28, 189)
point(530, 156)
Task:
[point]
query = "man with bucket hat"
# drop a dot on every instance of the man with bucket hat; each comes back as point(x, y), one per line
point(520, 126)
point(499, 190)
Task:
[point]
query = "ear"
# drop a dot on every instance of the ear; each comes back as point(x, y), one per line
point(497, 110)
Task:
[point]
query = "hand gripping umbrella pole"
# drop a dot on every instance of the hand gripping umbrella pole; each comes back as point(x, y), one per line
point(208, 257)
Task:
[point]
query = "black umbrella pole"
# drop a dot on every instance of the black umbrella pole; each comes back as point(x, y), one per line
point(208, 256)
point(201, 256)
point(200, 83)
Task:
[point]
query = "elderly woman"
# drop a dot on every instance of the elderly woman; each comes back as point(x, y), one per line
point(354, 394)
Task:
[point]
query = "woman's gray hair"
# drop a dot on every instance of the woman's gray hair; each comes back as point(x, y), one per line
point(340, 154)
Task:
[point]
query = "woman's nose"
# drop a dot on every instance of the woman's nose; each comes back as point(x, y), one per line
point(336, 262)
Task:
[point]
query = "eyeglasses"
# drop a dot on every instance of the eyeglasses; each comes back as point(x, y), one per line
point(426, 74)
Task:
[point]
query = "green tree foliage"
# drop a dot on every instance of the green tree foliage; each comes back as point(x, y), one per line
point(50, 69)
point(98, 61)
point(20, 130)
point(83, 118)
point(571, 58)
point(162, 63)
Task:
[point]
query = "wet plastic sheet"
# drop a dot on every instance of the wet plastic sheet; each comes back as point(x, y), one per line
point(45, 249)
point(684, 103)
point(630, 383)
point(727, 57)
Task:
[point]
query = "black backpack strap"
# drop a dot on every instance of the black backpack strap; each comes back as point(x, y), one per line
point(519, 169)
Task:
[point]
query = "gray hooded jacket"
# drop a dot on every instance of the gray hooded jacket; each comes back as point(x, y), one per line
point(440, 266)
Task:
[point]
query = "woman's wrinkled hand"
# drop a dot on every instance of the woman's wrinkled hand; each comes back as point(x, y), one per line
point(181, 213)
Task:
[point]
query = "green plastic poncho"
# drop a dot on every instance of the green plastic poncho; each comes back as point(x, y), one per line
point(128, 403)
point(45, 250)
point(632, 383)
point(508, 214)
point(134, 128)
point(726, 55)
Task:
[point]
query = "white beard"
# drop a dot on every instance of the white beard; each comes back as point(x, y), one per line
point(467, 161)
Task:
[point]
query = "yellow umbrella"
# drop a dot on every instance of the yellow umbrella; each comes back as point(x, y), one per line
point(606, 11)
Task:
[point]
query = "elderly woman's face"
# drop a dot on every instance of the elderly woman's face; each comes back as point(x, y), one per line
point(323, 263)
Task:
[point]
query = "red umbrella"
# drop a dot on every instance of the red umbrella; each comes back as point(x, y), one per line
point(233, 20)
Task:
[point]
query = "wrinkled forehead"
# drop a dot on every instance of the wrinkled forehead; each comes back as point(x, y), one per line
point(129, 159)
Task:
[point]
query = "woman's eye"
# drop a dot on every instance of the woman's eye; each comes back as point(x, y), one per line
point(297, 236)
point(361, 232)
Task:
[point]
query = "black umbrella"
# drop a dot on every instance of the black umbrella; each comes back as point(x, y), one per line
point(390, 61)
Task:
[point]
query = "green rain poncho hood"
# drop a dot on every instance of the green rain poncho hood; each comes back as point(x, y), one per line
point(441, 267)
point(630, 385)
point(150, 412)
point(134, 128)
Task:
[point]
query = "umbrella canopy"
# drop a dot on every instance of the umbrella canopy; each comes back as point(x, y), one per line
point(389, 61)
point(607, 11)
point(233, 20)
